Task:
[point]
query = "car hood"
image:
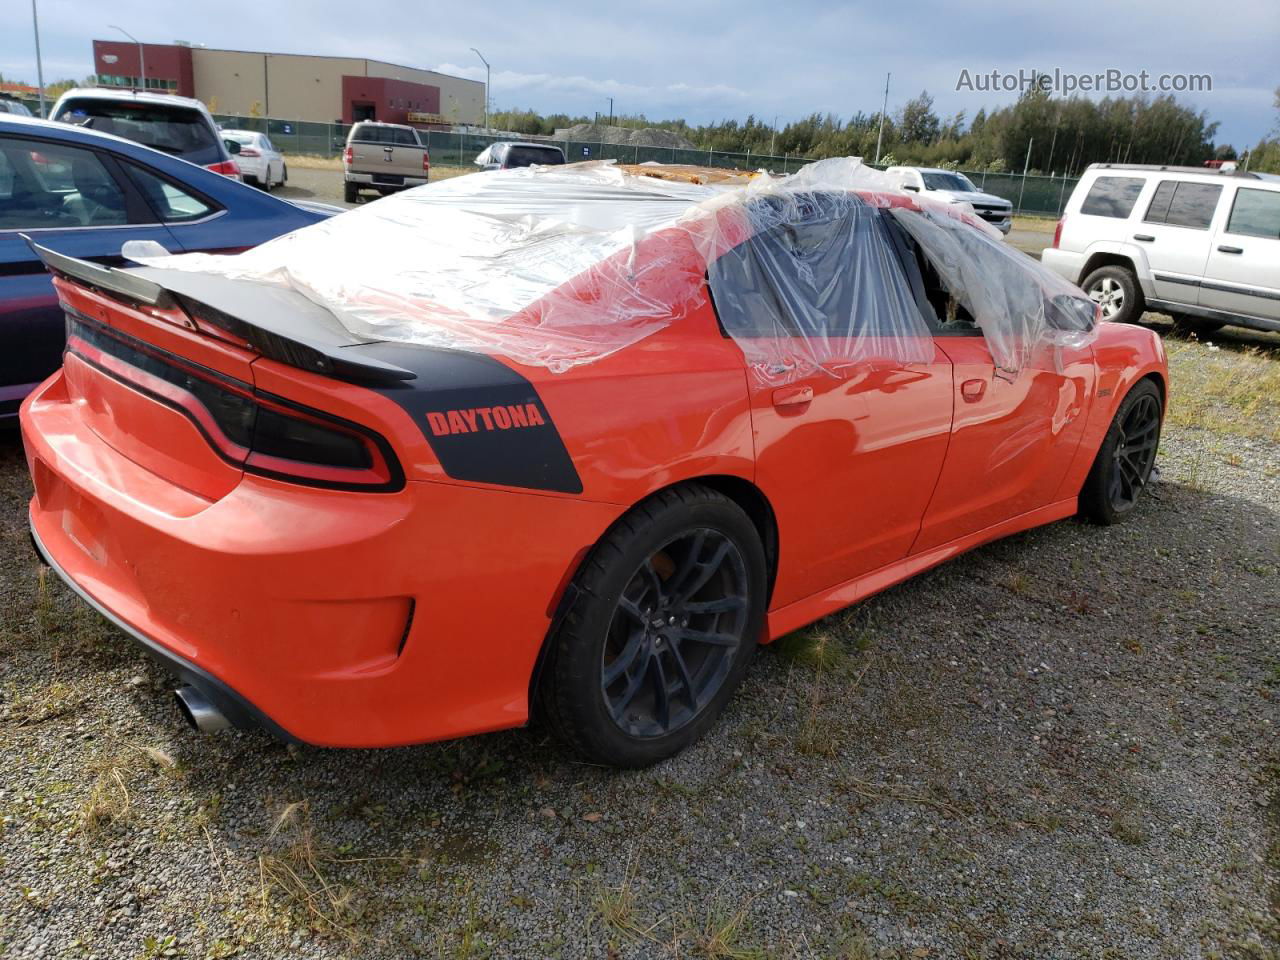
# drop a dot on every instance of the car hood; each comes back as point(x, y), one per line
point(974, 197)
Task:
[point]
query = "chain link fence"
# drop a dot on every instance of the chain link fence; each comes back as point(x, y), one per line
point(1031, 195)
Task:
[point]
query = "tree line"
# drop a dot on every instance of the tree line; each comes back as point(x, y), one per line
point(1059, 135)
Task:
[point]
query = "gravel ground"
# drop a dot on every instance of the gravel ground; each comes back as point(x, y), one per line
point(1061, 745)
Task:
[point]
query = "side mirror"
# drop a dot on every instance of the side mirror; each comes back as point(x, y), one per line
point(232, 146)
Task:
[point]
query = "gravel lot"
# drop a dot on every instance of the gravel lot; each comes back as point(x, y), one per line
point(1061, 745)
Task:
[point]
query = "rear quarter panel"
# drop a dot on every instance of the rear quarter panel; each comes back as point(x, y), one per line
point(1124, 354)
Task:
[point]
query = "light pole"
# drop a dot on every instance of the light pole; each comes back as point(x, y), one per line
point(142, 62)
point(883, 110)
point(486, 87)
point(35, 22)
point(773, 136)
point(611, 111)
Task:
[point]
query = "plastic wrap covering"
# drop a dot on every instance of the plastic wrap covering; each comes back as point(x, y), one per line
point(559, 266)
point(816, 286)
point(1019, 304)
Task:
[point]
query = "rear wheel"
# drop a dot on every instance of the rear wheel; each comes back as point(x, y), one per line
point(1123, 466)
point(284, 174)
point(1115, 289)
point(350, 192)
point(667, 613)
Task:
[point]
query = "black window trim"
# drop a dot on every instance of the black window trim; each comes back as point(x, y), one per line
point(215, 209)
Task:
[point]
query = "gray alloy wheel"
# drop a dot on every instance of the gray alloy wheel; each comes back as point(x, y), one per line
point(1109, 294)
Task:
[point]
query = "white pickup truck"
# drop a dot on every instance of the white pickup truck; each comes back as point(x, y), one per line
point(955, 187)
point(385, 157)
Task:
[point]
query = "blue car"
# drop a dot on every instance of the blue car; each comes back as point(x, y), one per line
point(84, 194)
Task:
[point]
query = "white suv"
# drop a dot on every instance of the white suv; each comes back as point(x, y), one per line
point(954, 187)
point(1202, 245)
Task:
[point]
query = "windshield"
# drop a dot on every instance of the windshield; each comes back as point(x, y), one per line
point(948, 181)
point(176, 130)
point(518, 156)
point(396, 136)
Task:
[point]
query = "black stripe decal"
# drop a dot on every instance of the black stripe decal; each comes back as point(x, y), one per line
point(484, 421)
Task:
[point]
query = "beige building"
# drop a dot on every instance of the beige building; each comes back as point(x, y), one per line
point(291, 86)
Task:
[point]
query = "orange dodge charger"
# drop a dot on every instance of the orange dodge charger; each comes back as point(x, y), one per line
point(575, 452)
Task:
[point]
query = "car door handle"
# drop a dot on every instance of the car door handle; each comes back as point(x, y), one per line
point(792, 396)
point(972, 390)
point(1225, 249)
point(1144, 237)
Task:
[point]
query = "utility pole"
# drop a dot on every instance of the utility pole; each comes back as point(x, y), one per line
point(35, 22)
point(142, 62)
point(1025, 164)
point(611, 111)
point(773, 137)
point(486, 88)
point(880, 135)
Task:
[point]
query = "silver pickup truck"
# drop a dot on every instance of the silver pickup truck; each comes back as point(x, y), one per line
point(385, 157)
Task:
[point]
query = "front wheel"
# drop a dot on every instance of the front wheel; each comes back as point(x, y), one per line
point(1123, 466)
point(667, 612)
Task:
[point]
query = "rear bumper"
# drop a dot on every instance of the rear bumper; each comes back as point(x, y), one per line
point(367, 179)
point(229, 703)
point(331, 617)
point(1065, 263)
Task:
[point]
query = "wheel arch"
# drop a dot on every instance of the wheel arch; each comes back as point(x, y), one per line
point(749, 497)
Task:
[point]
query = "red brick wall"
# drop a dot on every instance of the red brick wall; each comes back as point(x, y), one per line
point(393, 100)
point(163, 60)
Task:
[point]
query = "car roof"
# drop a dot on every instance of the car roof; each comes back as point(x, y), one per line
point(382, 123)
point(1206, 173)
point(106, 93)
point(247, 133)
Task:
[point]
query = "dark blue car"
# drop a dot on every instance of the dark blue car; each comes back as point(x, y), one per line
point(84, 194)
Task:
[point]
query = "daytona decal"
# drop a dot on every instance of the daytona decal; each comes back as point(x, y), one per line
point(485, 418)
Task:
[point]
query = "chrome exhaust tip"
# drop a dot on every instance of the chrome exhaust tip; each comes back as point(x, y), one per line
point(199, 712)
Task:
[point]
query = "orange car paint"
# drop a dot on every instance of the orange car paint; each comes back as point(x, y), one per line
point(372, 619)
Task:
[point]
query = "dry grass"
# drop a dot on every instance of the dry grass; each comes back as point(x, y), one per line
point(1229, 391)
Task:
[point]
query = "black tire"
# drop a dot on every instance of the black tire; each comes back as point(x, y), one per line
point(1185, 325)
point(1123, 465)
point(613, 652)
point(350, 192)
point(1116, 290)
point(284, 174)
point(265, 183)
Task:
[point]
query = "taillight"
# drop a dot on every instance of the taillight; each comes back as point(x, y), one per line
point(1057, 232)
point(249, 152)
point(426, 162)
point(227, 168)
point(255, 431)
point(347, 154)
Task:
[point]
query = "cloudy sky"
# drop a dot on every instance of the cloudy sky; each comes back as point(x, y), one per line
point(710, 60)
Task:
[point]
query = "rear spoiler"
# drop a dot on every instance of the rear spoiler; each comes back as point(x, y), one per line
point(277, 322)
